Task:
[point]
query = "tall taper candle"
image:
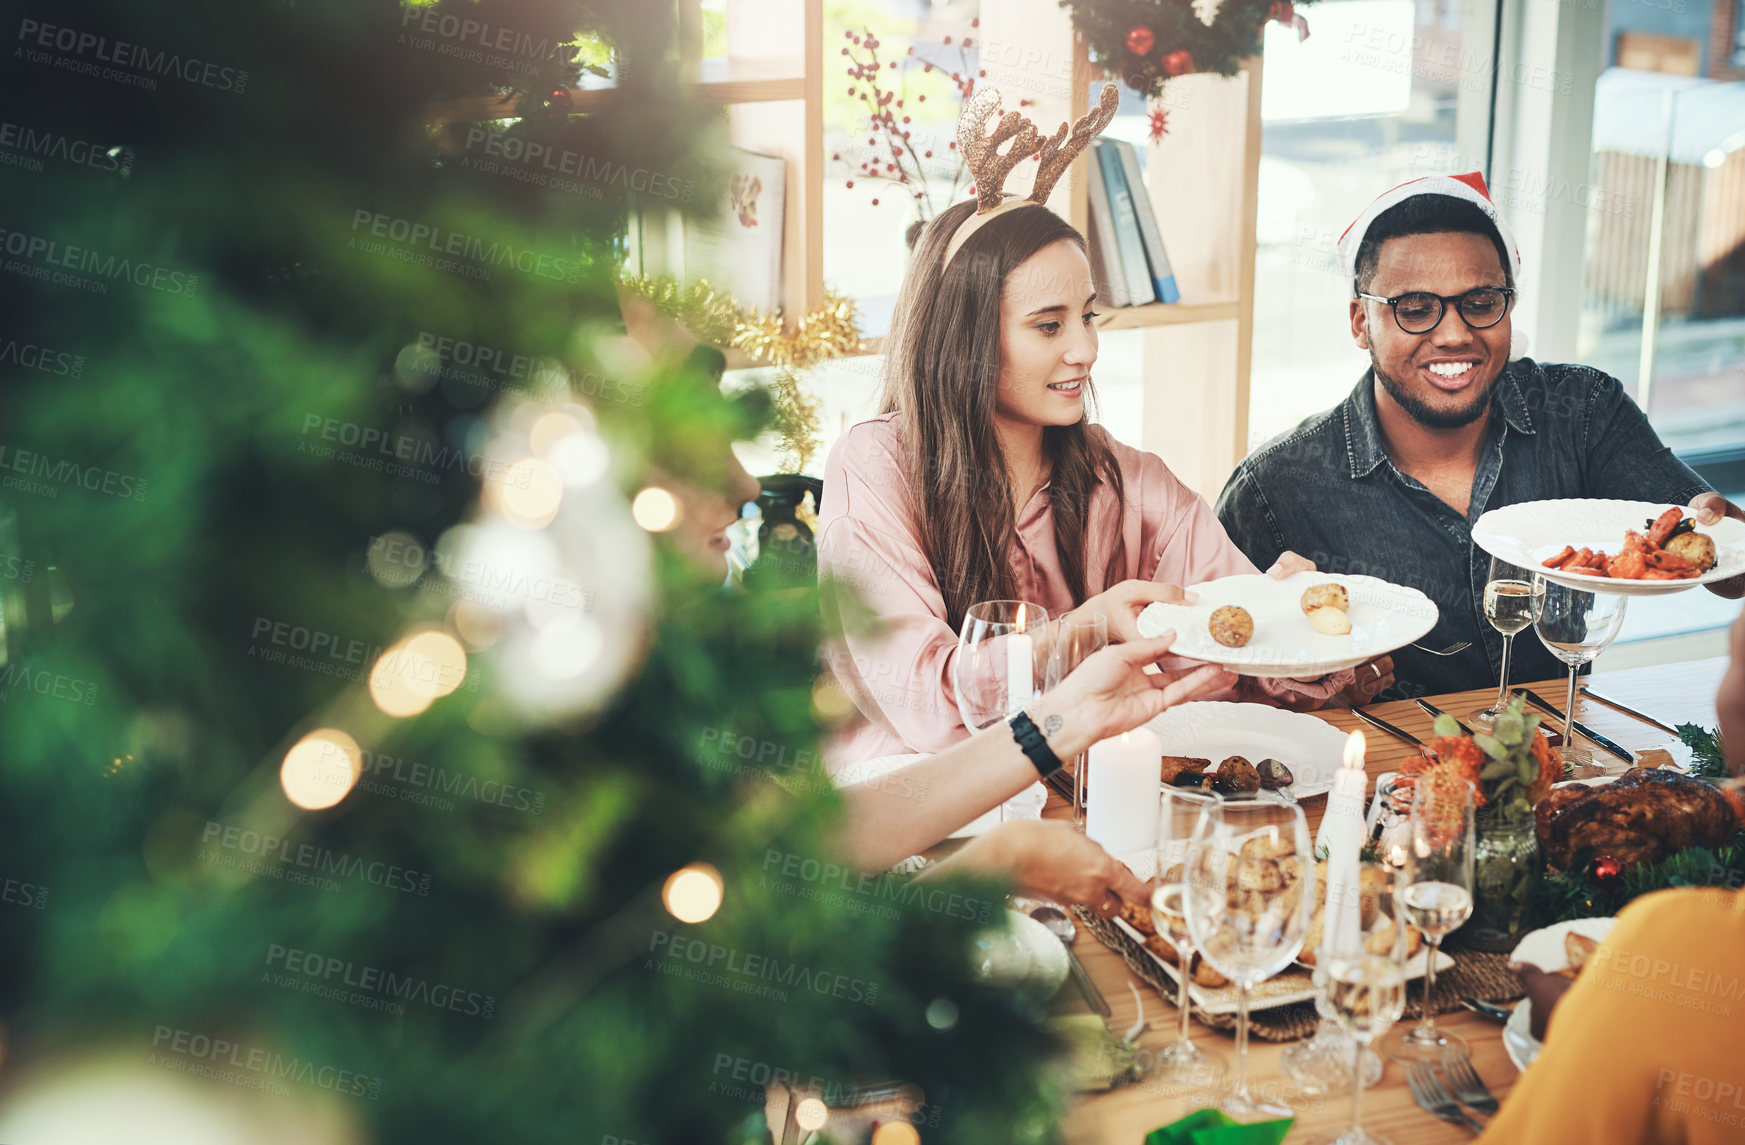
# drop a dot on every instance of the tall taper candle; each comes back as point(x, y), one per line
point(1341, 838)
point(1020, 666)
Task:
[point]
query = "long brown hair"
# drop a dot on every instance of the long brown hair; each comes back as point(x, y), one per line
point(942, 368)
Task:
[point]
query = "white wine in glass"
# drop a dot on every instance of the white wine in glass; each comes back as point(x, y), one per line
point(1368, 994)
point(1183, 815)
point(1434, 893)
point(1511, 602)
point(1250, 895)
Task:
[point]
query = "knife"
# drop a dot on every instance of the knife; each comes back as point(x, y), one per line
point(1489, 1010)
point(1580, 728)
point(1387, 727)
point(1629, 711)
point(1436, 711)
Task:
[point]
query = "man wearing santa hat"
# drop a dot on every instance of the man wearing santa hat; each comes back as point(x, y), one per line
point(1451, 420)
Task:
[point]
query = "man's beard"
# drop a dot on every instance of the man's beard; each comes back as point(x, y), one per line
point(1426, 415)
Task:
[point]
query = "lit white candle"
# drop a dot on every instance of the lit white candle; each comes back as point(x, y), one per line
point(1126, 779)
point(1019, 659)
point(1341, 838)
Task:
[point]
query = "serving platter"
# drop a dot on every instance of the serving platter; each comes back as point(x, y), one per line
point(1384, 616)
point(1529, 533)
point(1312, 748)
point(1294, 984)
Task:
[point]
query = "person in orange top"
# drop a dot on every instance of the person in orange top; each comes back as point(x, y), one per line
point(1648, 1045)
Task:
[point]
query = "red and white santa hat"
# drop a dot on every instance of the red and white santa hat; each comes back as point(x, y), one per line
point(1468, 187)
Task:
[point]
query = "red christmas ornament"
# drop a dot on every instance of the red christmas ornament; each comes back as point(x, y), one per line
point(1159, 123)
point(561, 100)
point(1178, 62)
point(1607, 869)
point(1140, 40)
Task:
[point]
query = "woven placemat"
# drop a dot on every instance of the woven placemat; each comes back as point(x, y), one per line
point(1473, 975)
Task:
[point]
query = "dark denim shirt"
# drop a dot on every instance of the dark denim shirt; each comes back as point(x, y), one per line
point(1329, 491)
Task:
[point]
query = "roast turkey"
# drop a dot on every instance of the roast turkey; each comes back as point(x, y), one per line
point(1643, 816)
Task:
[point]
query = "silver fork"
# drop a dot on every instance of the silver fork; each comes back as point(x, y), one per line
point(1433, 1097)
point(1451, 650)
point(1468, 1086)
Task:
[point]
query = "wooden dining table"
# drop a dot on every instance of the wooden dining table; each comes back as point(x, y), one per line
point(1672, 693)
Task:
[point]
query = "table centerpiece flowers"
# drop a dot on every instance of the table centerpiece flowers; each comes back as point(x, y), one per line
point(1511, 770)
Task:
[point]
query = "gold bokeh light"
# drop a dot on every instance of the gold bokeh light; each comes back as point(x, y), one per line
point(416, 670)
point(655, 509)
point(321, 769)
point(811, 1114)
point(693, 893)
point(529, 493)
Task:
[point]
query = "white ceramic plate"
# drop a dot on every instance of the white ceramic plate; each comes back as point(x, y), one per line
point(1383, 616)
point(1026, 957)
point(1542, 948)
point(1312, 748)
point(1294, 984)
point(1518, 1039)
point(1533, 531)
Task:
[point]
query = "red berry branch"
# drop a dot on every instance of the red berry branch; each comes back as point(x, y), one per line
point(891, 144)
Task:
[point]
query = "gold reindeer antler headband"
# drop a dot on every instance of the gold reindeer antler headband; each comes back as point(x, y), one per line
point(989, 167)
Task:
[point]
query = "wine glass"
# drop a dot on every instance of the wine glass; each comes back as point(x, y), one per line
point(1575, 626)
point(1363, 984)
point(1323, 1062)
point(1183, 815)
point(995, 677)
point(1368, 992)
point(1435, 895)
point(1250, 885)
point(1075, 638)
point(1511, 601)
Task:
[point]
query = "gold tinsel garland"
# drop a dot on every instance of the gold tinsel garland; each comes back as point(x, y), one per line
point(797, 425)
point(715, 317)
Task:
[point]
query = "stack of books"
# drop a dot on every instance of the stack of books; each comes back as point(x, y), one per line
point(1127, 256)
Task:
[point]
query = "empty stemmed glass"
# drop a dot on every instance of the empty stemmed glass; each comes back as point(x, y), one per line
point(1575, 626)
point(1183, 815)
point(1511, 601)
point(1435, 895)
point(1075, 638)
point(995, 675)
point(1250, 894)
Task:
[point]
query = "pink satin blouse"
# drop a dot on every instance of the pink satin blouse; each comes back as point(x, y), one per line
point(900, 677)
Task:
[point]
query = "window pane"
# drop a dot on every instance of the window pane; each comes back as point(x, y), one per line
point(1681, 140)
point(1367, 102)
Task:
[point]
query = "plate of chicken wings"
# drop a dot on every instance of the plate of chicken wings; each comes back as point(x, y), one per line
point(1631, 548)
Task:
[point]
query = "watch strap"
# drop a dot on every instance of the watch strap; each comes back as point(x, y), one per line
point(1031, 742)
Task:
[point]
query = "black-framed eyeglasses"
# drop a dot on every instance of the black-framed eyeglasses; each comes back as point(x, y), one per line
point(1418, 311)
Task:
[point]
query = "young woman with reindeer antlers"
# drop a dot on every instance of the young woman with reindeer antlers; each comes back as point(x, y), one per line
point(983, 478)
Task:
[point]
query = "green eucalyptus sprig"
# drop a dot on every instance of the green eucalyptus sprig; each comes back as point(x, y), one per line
point(1511, 773)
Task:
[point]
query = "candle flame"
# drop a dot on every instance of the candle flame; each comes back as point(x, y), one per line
point(1397, 856)
point(1354, 746)
point(1019, 621)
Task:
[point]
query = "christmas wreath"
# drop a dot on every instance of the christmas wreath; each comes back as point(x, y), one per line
point(1146, 42)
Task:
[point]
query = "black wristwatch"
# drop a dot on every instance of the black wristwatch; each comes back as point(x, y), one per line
point(1029, 738)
